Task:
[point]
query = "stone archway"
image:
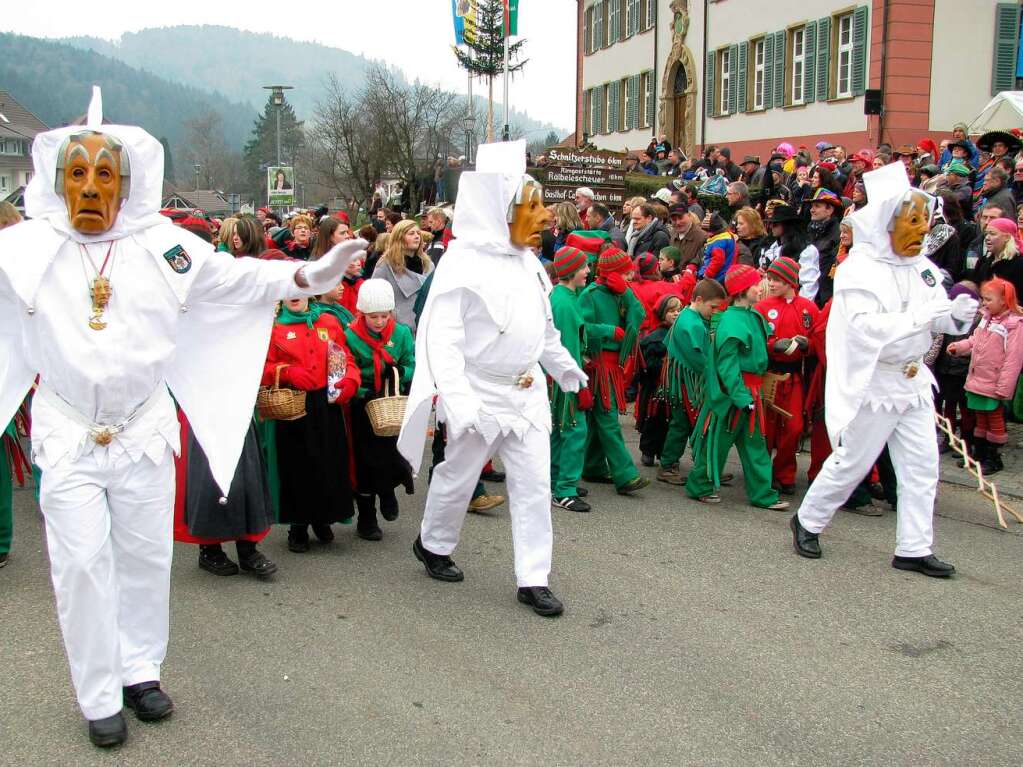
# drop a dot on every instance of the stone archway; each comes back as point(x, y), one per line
point(679, 105)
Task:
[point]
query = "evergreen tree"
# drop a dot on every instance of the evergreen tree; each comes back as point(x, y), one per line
point(168, 160)
point(261, 148)
point(484, 56)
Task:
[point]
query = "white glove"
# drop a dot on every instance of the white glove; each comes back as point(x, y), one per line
point(964, 308)
point(925, 314)
point(573, 380)
point(326, 272)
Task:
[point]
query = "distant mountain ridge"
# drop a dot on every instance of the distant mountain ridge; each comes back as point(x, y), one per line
point(237, 63)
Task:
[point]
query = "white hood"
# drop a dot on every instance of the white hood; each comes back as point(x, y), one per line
point(885, 189)
point(484, 196)
point(145, 156)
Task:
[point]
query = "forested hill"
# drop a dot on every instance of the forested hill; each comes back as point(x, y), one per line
point(54, 79)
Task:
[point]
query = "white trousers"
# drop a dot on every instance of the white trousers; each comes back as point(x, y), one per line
point(914, 453)
point(527, 463)
point(109, 528)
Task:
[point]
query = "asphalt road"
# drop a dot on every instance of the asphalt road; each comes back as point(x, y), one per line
point(692, 636)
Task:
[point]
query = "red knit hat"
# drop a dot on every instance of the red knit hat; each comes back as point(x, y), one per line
point(614, 261)
point(740, 278)
point(568, 261)
point(785, 269)
point(646, 265)
point(586, 243)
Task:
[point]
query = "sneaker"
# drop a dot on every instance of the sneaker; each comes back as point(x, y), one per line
point(571, 503)
point(670, 475)
point(633, 485)
point(485, 502)
point(712, 498)
point(778, 506)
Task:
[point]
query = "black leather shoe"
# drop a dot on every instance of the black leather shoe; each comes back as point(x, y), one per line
point(148, 701)
point(805, 543)
point(929, 565)
point(108, 732)
point(257, 564)
point(633, 485)
point(323, 533)
point(212, 559)
point(541, 600)
point(493, 476)
point(298, 539)
point(389, 508)
point(437, 566)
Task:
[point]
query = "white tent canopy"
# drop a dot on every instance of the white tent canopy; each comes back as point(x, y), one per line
point(1003, 112)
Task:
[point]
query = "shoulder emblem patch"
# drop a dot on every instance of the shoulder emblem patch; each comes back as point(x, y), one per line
point(178, 259)
point(322, 333)
point(928, 277)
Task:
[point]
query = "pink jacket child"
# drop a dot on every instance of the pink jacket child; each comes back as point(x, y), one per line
point(996, 348)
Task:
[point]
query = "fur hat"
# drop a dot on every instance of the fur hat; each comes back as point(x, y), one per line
point(375, 296)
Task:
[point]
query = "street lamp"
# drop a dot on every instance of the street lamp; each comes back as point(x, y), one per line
point(277, 99)
point(468, 123)
point(197, 166)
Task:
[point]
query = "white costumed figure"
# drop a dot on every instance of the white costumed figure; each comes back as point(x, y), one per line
point(484, 333)
point(888, 300)
point(110, 304)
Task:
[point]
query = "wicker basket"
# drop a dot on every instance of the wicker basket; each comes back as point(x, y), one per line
point(277, 404)
point(386, 413)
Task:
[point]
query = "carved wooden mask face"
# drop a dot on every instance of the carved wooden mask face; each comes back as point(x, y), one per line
point(911, 223)
point(529, 218)
point(92, 182)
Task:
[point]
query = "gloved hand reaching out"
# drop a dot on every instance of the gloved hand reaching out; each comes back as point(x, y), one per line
point(326, 272)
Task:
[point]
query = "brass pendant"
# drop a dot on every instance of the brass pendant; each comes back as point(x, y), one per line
point(103, 438)
point(100, 292)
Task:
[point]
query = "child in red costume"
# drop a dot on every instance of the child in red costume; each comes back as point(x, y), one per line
point(790, 319)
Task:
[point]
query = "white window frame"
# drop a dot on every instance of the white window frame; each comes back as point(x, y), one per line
point(759, 83)
point(724, 79)
point(626, 103)
point(651, 14)
point(614, 20)
point(3, 183)
point(844, 55)
point(631, 17)
point(599, 36)
point(798, 84)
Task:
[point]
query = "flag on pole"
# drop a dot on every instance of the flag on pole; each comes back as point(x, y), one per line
point(464, 13)
point(511, 17)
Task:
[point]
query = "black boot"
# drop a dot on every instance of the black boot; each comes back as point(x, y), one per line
point(298, 538)
point(107, 732)
point(388, 505)
point(252, 560)
point(367, 527)
point(992, 463)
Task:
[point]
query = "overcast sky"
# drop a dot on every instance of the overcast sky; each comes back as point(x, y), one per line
point(415, 35)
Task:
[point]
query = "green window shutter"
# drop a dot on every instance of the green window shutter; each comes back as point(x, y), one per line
point(823, 65)
point(809, 56)
point(859, 57)
point(733, 64)
point(740, 86)
point(615, 16)
point(616, 94)
point(632, 92)
point(651, 101)
point(587, 107)
point(601, 109)
point(779, 68)
point(588, 30)
point(708, 83)
point(1003, 69)
point(768, 71)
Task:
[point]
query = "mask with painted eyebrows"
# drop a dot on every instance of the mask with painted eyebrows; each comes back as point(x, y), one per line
point(92, 181)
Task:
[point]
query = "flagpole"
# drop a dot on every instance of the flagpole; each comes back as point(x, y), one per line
point(507, 34)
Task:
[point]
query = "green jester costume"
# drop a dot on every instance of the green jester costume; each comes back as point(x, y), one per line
point(613, 316)
point(685, 367)
point(732, 411)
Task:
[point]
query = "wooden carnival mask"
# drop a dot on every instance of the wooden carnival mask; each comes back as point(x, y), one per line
point(528, 216)
point(911, 223)
point(93, 178)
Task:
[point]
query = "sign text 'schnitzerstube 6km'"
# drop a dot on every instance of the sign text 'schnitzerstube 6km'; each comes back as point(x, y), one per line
point(569, 169)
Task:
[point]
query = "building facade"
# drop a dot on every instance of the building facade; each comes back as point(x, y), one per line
point(18, 128)
point(750, 73)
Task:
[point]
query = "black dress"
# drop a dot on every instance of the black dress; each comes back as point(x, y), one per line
point(314, 465)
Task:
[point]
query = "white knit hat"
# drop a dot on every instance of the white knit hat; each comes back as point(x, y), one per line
point(375, 296)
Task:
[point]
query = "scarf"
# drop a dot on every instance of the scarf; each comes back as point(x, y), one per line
point(376, 342)
point(288, 317)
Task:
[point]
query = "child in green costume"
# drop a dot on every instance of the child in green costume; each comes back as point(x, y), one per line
point(732, 412)
point(684, 370)
point(613, 316)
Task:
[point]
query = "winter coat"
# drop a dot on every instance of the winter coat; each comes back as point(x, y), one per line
point(996, 351)
point(653, 239)
point(406, 288)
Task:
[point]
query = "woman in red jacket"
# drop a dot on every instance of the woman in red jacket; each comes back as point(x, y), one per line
point(313, 459)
